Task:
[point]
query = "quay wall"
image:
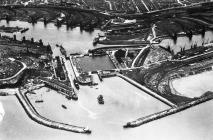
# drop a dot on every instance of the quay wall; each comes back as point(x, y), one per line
point(67, 91)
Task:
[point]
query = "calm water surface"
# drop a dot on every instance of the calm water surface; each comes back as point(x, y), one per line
point(73, 40)
point(124, 103)
point(193, 124)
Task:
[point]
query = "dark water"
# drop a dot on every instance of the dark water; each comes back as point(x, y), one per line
point(89, 63)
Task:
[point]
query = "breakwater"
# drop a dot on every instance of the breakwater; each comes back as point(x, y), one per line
point(145, 89)
point(34, 115)
point(168, 112)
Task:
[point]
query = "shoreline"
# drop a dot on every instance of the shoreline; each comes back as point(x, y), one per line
point(175, 91)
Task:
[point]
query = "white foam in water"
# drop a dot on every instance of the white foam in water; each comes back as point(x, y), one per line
point(91, 114)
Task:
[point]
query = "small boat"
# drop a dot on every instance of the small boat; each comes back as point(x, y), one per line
point(95, 41)
point(76, 84)
point(64, 106)
point(87, 130)
point(69, 97)
point(100, 99)
point(74, 97)
point(39, 101)
point(31, 92)
point(24, 30)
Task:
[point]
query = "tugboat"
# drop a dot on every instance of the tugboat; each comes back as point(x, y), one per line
point(76, 84)
point(24, 30)
point(96, 40)
point(100, 99)
point(74, 97)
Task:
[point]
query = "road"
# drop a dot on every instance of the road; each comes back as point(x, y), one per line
point(181, 3)
point(138, 56)
point(110, 5)
point(9, 78)
point(145, 6)
point(133, 1)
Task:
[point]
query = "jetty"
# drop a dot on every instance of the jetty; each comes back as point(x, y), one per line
point(35, 116)
point(168, 112)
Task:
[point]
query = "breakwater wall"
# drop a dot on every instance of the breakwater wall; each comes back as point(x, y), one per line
point(34, 115)
point(167, 112)
point(148, 91)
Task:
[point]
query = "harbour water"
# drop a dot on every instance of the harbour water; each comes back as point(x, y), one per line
point(189, 124)
point(123, 103)
point(77, 41)
point(128, 101)
point(73, 40)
